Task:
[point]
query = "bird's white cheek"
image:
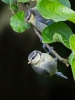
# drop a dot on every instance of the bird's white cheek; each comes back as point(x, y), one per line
point(36, 60)
point(32, 22)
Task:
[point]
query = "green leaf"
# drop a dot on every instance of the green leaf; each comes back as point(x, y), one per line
point(72, 63)
point(46, 0)
point(23, 0)
point(57, 32)
point(56, 11)
point(72, 43)
point(8, 1)
point(38, 0)
point(17, 22)
point(33, 0)
point(65, 3)
point(73, 66)
point(14, 7)
point(70, 58)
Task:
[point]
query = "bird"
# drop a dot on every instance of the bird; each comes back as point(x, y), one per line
point(44, 63)
point(33, 17)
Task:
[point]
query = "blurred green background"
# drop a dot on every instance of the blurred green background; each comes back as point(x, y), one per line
point(18, 80)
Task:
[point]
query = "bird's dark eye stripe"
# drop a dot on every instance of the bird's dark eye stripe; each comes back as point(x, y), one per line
point(28, 18)
point(33, 57)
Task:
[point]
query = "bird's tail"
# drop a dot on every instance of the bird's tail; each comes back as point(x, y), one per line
point(60, 74)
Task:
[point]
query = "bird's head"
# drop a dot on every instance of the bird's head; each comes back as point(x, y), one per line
point(34, 57)
point(30, 15)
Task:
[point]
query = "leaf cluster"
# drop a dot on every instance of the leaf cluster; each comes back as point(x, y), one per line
point(57, 10)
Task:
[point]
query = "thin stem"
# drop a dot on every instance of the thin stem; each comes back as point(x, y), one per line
point(24, 7)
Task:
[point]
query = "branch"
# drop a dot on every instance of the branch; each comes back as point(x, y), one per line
point(24, 5)
point(65, 61)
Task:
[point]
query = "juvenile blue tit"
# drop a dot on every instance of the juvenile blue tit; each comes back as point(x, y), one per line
point(34, 17)
point(43, 63)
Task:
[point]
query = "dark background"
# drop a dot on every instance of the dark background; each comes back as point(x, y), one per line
point(18, 80)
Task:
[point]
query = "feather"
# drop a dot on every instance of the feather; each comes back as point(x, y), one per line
point(60, 74)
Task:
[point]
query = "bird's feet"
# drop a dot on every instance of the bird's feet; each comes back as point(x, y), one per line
point(47, 50)
point(41, 39)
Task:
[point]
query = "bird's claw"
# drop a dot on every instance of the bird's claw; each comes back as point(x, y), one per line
point(50, 49)
point(44, 47)
point(41, 39)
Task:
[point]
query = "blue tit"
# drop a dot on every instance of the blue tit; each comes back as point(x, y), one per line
point(43, 63)
point(33, 17)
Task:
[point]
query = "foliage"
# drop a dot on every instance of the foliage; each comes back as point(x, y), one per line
point(17, 22)
point(57, 10)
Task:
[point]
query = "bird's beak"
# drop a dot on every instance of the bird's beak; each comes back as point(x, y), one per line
point(26, 21)
point(29, 62)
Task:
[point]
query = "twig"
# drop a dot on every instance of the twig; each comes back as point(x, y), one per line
point(65, 61)
point(24, 7)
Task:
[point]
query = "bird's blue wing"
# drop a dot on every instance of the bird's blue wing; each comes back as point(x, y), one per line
point(43, 20)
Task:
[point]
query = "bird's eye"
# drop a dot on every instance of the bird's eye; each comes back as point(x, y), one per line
point(33, 57)
point(28, 18)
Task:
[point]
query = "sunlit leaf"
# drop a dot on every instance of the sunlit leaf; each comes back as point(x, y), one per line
point(56, 11)
point(72, 43)
point(64, 2)
point(23, 0)
point(57, 32)
point(70, 58)
point(8, 1)
point(17, 22)
point(73, 66)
